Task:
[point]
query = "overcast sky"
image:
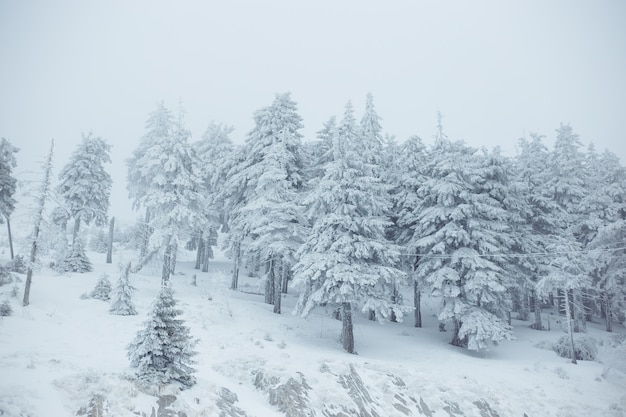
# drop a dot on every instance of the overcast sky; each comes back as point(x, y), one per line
point(495, 69)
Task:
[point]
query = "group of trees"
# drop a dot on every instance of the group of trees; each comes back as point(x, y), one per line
point(353, 218)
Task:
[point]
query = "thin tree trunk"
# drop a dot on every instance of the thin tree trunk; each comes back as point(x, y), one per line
point(579, 309)
point(10, 238)
point(394, 301)
point(456, 340)
point(372, 315)
point(199, 252)
point(570, 329)
point(173, 256)
point(235, 281)
point(110, 243)
point(417, 304)
point(347, 330)
point(537, 301)
point(143, 261)
point(278, 284)
point(76, 228)
point(167, 265)
point(269, 282)
point(285, 279)
point(607, 308)
point(45, 189)
point(146, 234)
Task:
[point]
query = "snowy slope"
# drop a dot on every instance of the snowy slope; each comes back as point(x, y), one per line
point(61, 350)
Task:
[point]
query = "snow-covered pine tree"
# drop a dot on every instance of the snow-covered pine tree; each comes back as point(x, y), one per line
point(8, 185)
point(346, 261)
point(459, 225)
point(410, 173)
point(266, 180)
point(102, 291)
point(85, 186)
point(41, 205)
point(163, 350)
point(122, 299)
point(537, 233)
point(169, 189)
point(76, 260)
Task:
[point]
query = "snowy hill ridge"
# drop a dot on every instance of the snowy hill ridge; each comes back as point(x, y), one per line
point(65, 356)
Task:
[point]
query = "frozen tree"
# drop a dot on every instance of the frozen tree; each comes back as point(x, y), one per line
point(76, 259)
point(170, 190)
point(265, 180)
point(84, 185)
point(121, 301)
point(346, 260)
point(102, 291)
point(410, 173)
point(41, 205)
point(371, 138)
point(7, 185)
point(163, 350)
point(459, 225)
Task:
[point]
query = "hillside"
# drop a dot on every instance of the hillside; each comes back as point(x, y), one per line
point(62, 352)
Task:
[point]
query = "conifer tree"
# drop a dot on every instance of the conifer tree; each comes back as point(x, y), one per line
point(76, 260)
point(458, 226)
point(346, 260)
point(163, 350)
point(102, 291)
point(7, 185)
point(121, 301)
point(85, 186)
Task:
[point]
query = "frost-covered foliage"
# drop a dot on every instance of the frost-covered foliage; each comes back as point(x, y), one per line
point(99, 241)
point(163, 350)
point(164, 178)
point(85, 186)
point(102, 291)
point(122, 298)
point(585, 347)
point(76, 260)
point(8, 182)
point(265, 219)
point(17, 264)
point(5, 309)
point(6, 277)
point(346, 258)
point(462, 225)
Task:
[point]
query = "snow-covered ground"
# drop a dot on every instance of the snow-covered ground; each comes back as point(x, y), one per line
point(61, 350)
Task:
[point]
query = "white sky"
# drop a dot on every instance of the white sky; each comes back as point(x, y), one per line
point(496, 69)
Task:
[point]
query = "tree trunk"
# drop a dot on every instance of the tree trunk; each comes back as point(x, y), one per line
point(145, 238)
point(206, 255)
point(394, 300)
point(167, 265)
point(110, 243)
point(347, 330)
point(607, 308)
point(10, 238)
point(570, 329)
point(579, 309)
point(278, 284)
point(285, 279)
point(173, 255)
point(76, 228)
point(199, 252)
point(269, 282)
point(372, 315)
point(537, 302)
point(235, 281)
point(45, 189)
point(417, 301)
point(456, 340)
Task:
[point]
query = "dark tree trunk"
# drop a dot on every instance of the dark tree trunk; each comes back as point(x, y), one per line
point(206, 255)
point(372, 315)
point(173, 255)
point(417, 301)
point(10, 238)
point(606, 300)
point(347, 330)
point(29, 272)
point(235, 281)
point(394, 300)
point(456, 339)
point(285, 281)
point(537, 307)
point(110, 243)
point(278, 284)
point(570, 329)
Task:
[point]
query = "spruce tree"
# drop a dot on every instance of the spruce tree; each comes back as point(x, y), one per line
point(8, 185)
point(121, 301)
point(346, 261)
point(85, 186)
point(76, 260)
point(102, 291)
point(163, 350)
